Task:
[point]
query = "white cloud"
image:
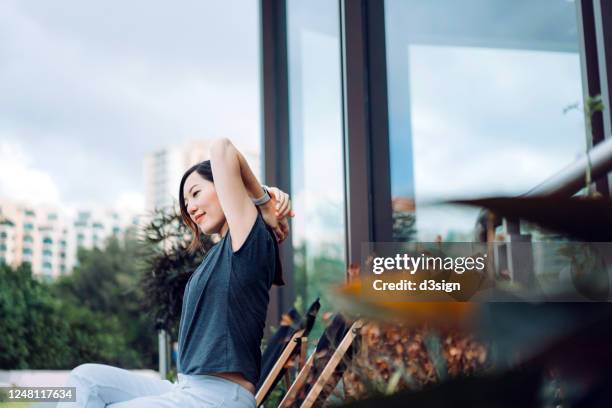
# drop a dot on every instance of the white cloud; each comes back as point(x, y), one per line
point(21, 180)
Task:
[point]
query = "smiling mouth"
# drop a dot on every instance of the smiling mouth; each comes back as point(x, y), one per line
point(199, 217)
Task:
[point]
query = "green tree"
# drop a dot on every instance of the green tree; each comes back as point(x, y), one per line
point(43, 332)
point(404, 228)
point(107, 282)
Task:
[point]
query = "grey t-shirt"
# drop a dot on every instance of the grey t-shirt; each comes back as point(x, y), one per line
point(225, 304)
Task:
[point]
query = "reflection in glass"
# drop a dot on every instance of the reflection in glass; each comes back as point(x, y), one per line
point(316, 147)
point(477, 92)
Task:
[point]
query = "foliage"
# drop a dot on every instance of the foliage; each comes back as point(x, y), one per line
point(315, 271)
point(393, 358)
point(106, 282)
point(105, 278)
point(275, 397)
point(43, 332)
point(404, 226)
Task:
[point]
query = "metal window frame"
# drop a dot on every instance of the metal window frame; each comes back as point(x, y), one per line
point(365, 125)
point(602, 13)
point(589, 64)
point(275, 132)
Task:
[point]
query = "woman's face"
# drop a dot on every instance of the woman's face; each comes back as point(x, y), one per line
point(203, 204)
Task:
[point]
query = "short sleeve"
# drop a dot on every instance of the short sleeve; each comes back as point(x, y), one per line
point(255, 260)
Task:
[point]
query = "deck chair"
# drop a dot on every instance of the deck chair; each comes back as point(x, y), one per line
point(288, 343)
point(320, 374)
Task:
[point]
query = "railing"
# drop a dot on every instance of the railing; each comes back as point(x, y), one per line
point(518, 259)
point(571, 179)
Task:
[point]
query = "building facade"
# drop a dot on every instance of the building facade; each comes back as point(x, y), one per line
point(48, 238)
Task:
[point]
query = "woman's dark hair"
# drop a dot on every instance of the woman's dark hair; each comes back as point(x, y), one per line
point(205, 170)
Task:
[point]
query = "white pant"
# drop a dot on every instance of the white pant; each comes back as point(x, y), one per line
point(99, 385)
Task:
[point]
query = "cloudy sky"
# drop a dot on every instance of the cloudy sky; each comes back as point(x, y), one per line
point(88, 88)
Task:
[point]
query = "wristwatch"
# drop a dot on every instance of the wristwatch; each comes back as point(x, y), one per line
point(264, 198)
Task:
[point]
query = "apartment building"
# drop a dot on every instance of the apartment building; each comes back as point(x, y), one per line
point(48, 238)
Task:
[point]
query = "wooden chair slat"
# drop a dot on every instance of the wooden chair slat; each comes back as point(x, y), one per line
point(278, 366)
point(331, 366)
point(299, 382)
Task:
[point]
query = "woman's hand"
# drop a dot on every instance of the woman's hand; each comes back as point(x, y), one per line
point(283, 203)
point(276, 212)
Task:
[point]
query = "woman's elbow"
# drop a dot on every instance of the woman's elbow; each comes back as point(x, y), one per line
point(223, 154)
point(220, 146)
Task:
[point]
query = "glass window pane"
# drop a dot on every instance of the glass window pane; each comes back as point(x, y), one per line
point(316, 146)
point(477, 98)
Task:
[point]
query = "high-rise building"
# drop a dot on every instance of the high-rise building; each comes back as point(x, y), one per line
point(164, 168)
point(161, 169)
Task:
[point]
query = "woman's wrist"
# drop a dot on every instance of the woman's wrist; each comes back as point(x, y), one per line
point(264, 198)
point(269, 205)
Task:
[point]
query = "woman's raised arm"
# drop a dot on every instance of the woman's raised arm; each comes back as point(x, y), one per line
point(236, 184)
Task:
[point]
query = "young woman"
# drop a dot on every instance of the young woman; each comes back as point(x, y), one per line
point(225, 299)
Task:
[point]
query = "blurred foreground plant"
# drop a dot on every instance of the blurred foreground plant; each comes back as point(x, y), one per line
point(395, 357)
